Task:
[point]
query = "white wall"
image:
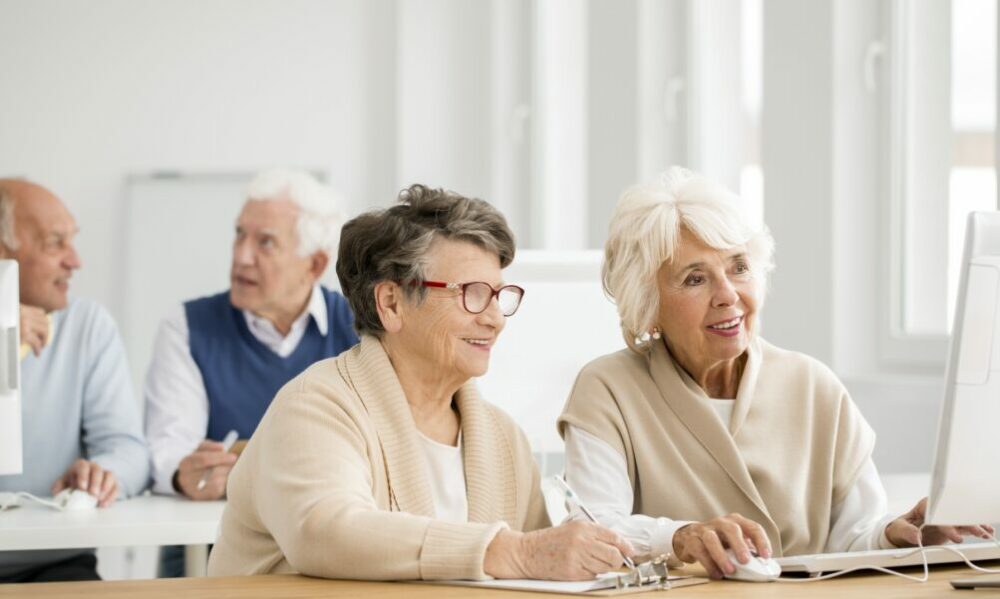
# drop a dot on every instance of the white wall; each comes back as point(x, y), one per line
point(827, 205)
point(382, 92)
point(93, 91)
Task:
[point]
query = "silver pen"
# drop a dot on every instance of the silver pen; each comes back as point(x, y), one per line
point(227, 444)
point(571, 494)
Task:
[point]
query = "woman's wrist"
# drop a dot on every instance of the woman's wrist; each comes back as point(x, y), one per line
point(504, 555)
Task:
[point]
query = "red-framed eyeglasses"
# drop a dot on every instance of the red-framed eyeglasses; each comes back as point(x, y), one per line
point(477, 295)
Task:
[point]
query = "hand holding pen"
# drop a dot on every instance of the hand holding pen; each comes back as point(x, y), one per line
point(572, 496)
point(227, 444)
point(202, 475)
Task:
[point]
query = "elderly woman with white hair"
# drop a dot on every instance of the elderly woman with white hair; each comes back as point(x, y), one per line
point(701, 436)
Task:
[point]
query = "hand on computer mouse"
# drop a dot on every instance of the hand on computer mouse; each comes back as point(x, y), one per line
point(75, 500)
point(757, 569)
point(905, 530)
point(706, 543)
point(90, 477)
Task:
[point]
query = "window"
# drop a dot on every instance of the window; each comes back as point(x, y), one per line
point(752, 58)
point(973, 178)
point(941, 154)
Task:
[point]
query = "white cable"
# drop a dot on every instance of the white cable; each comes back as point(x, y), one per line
point(919, 549)
point(45, 502)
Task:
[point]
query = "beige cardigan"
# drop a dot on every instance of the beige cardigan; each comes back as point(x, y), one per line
point(795, 445)
point(333, 482)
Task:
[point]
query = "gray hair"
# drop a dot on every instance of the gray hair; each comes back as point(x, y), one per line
point(7, 236)
point(645, 231)
point(320, 219)
point(391, 245)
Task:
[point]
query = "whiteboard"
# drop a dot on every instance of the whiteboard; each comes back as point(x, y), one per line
point(178, 246)
point(564, 322)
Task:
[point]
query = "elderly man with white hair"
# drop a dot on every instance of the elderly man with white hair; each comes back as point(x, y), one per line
point(218, 361)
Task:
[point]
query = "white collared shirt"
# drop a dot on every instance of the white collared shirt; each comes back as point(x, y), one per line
point(283, 345)
point(174, 391)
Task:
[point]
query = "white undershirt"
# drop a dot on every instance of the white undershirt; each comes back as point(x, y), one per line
point(599, 475)
point(174, 391)
point(446, 475)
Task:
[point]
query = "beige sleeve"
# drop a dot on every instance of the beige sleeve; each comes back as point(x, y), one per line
point(593, 407)
point(537, 515)
point(313, 492)
point(854, 446)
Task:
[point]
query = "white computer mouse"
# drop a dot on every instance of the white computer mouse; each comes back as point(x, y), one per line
point(72, 500)
point(758, 569)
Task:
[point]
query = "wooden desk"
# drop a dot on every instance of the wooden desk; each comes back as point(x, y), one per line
point(882, 586)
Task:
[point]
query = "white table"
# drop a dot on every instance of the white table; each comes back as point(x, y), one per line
point(147, 520)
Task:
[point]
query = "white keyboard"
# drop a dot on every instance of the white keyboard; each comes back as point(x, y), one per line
point(888, 558)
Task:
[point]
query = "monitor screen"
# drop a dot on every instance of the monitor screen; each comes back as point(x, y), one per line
point(965, 484)
point(10, 370)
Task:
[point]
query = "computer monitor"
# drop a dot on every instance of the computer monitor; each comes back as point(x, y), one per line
point(965, 483)
point(10, 370)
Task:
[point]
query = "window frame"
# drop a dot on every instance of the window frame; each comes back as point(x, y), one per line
point(897, 346)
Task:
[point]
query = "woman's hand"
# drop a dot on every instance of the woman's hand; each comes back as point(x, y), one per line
point(572, 551)
point(706, 543)
point(905, 530)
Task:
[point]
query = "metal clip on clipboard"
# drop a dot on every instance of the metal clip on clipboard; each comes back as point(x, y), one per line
point(646, 575)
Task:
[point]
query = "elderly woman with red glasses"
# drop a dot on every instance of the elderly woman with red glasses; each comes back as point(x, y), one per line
point(384, 463)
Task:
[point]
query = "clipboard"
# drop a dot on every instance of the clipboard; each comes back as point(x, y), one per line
point(647, 576)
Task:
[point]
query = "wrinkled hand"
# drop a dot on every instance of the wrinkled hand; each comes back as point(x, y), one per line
point(905, 530)
point(706, 543)
point(210, 455)
point(572, 551)
point(34, 328)
point(89, 477)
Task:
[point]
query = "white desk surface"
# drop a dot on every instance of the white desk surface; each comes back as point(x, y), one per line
point(161, 520)
point(147, 520)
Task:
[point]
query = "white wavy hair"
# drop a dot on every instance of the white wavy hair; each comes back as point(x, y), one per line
point(320, 216)
point(645, 231)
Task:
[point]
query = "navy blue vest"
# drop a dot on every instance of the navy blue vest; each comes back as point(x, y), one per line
point(241, 374)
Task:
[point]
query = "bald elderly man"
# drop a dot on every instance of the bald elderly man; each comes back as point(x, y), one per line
point(82, 427)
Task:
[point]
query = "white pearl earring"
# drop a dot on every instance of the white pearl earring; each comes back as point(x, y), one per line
point(656, 333)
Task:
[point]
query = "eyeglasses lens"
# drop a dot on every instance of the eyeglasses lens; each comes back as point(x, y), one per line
point(477, 297)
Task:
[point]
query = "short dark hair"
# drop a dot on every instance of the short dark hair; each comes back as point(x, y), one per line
point(391, 244)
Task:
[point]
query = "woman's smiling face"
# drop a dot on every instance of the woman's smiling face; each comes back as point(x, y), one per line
point(708, 302)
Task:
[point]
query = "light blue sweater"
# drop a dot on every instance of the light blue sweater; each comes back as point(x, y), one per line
point(77, 402)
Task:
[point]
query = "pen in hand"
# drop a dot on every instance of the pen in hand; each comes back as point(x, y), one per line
point(227, 444)
point(571, 495)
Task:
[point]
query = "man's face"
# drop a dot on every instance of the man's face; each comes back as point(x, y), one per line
point(46, 257)
point(268, 277)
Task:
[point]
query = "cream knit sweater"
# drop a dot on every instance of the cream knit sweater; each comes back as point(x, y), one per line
point(793, 449)
point(333, 482)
